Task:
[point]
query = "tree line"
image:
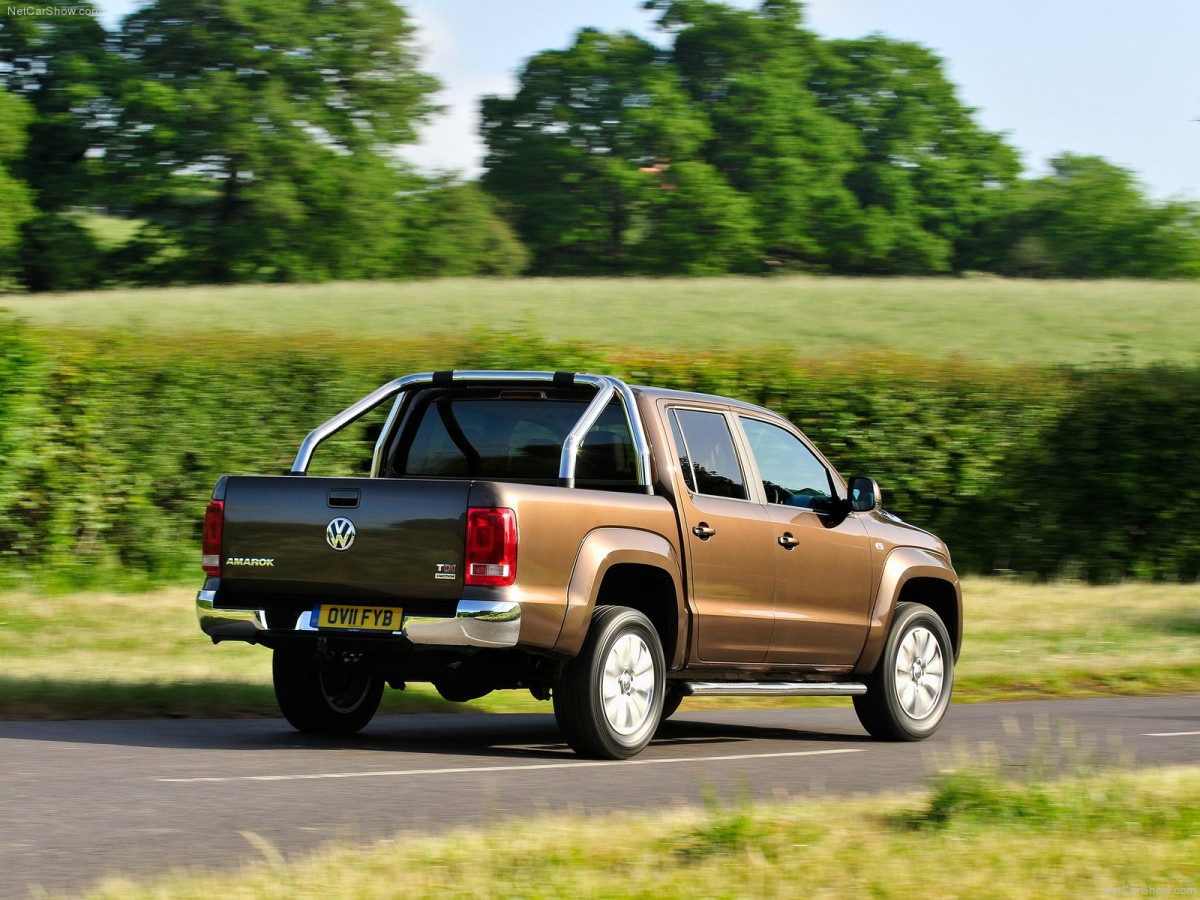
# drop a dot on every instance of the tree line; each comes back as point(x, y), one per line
point(255, 140)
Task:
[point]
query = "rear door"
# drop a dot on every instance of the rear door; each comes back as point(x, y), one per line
point(730, 552)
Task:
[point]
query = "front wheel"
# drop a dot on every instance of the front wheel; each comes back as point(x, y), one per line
point(909, 691)
point(324, 699)
point(609, 698)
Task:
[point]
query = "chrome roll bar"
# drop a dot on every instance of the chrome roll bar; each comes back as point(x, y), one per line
point(606, 388)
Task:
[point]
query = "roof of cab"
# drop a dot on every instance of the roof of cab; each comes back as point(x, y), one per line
point(654, 393)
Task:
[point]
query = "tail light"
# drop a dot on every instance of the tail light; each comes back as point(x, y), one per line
point(491, 547)
point(214, 526)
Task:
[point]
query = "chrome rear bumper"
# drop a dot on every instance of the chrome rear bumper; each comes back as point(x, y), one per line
point(476, 623)
point(228, 624)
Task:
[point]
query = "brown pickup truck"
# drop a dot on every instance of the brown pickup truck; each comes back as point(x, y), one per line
point(613, 548)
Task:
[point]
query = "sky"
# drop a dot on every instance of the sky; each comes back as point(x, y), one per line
point(1113, 78)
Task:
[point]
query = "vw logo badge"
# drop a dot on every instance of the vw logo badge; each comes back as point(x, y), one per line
point(340, 533)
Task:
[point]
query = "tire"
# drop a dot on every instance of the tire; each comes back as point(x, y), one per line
point(909, 691)
point(320, 699)
point(608, 700)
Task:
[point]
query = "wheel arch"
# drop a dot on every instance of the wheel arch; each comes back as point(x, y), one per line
point(632, 568)
point(917, 576)
point(942, 597)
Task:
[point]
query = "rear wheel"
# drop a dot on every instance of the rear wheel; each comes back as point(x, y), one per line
point(608, 700)
point(337, 698)
point(909, 691)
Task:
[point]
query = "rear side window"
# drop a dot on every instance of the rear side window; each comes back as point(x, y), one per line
point(707, 455)
point(516, 439)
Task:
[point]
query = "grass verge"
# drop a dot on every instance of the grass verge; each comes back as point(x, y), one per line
point(972, 834)
point(103, 655)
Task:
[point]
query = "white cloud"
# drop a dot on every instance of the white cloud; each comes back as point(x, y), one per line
point(451, 142)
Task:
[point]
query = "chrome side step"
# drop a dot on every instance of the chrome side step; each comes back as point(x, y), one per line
point(774, 688)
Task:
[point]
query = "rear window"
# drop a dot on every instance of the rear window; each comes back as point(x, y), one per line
point(515, 439)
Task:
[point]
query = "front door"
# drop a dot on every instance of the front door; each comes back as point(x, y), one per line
point(822, 560)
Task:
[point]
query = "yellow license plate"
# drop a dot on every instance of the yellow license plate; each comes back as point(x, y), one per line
point(358, 618)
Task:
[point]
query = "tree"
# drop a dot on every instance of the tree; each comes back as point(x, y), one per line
point(925, 176)
point(566, 152)
point(455, 229)
point(749, 71)
point(1091, 219)
point(58, 253)
point(258, 133)
point(16, 202)
point(61, 65)
point(696, 224)
point(763, 140)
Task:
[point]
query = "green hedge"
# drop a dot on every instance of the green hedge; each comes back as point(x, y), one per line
point(109, 447)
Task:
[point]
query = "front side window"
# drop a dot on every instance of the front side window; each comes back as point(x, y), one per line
point(709, 460)
point(791, 474)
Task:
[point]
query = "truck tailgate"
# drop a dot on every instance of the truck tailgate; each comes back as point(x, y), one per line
point(343, 538)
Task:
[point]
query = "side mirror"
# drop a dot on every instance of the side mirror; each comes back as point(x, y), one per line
point(864, 494)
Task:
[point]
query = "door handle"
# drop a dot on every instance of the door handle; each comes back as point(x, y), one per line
point(787, 542)
point(704, 531)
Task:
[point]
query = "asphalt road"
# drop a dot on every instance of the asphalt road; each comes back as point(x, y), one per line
point(83, 799)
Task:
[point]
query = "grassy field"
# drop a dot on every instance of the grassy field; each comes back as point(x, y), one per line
point(971, 835)
point(110, 232)
point(77, 655)
point(989, 319)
